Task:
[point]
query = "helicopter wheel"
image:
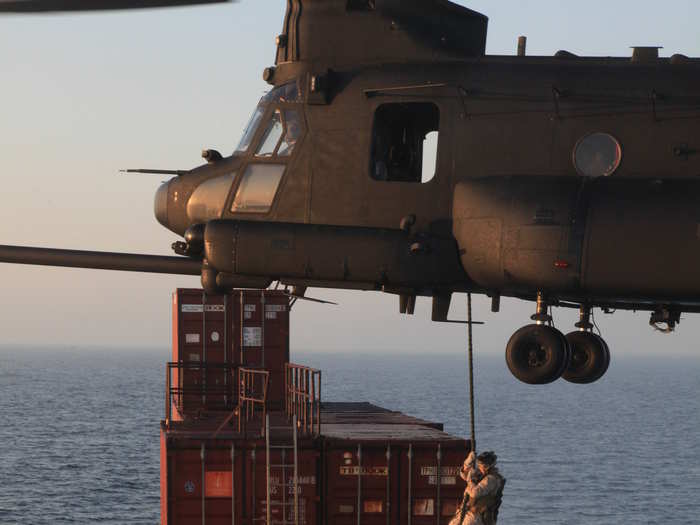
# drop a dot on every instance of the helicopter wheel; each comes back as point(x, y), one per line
point(590, 358)
point(538, 354)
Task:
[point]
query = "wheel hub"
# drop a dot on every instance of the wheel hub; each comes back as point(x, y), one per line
point(536, 356)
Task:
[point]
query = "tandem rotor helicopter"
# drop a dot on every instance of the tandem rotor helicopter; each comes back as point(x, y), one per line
point(568, 181)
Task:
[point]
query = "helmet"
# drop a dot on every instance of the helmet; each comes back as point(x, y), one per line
point(487, 459)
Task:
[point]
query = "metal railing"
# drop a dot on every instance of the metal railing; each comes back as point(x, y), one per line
point(191, 387)
point(252, 396)
point(303, 397)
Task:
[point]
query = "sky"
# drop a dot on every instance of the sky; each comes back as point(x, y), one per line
point(84, 95)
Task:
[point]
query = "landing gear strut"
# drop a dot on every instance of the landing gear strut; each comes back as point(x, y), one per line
point(538, 354)
point(590, 355)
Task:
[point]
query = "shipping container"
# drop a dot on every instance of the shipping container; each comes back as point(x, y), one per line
point(264, 449)
point(214, 335)
point(388, 467)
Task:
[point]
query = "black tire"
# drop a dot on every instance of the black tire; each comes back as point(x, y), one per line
point(537, 354)
point(565, 362)
point(590, 358)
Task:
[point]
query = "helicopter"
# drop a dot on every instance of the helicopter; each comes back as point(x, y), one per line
point(564, 180)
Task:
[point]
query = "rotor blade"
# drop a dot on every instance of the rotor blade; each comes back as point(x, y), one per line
point(127, 262)
point(39, 6)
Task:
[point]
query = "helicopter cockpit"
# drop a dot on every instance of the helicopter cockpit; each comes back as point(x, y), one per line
point(279, 118)
point(268, 142)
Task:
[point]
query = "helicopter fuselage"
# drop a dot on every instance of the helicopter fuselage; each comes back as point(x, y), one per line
point(507, 211)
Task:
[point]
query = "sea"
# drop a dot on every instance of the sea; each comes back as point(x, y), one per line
point(79, 432)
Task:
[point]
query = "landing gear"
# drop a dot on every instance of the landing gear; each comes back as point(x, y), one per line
point(538, 354)
point(590, 355)
point(590, 358)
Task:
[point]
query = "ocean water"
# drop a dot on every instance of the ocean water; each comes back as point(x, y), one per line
point(79, 433)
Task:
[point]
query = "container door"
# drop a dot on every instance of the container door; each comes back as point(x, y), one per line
point(201, 339)
point(348, 476)
point(223, 485)
point(185, 488)
point(282, 486)
point(436, 491)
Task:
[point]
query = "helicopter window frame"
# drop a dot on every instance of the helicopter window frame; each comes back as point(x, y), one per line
point(405, 163)
point(291, 117)
point(285, 96)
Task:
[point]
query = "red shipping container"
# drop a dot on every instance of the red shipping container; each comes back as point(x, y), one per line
point(214, 334)
point(383, 465)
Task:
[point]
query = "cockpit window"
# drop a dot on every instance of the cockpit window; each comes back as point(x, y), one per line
point(293, 126)
point(282, 134)
point(250, 130)
point(285, 93)
point(257, 188)
point(272, 136)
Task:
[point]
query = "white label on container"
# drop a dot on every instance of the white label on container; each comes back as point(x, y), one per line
point(250, 308)
point(194, 357)
point(446, 480)
point(270, 315)
point(276, 308)
point(252, 336)
point(215, 337)
point(247, 315)
point(365, 471)
point(198, 308)
point(192, 338)
point(444, 471)
point(306, 480)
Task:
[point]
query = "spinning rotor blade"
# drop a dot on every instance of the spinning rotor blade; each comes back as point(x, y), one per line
point(39, 6)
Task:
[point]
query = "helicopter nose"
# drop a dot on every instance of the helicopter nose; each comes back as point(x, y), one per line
point(160, 204)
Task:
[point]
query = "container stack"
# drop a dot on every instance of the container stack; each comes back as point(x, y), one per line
point(247, 439)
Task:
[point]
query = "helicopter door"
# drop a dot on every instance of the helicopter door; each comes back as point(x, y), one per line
point(404, 142)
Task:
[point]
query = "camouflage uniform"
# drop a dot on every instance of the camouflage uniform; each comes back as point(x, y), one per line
point(482, 497)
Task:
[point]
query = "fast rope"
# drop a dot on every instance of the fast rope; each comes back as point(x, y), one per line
point(470, 354)
point(470, 359)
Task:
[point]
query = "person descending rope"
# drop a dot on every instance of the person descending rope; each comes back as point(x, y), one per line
point(484, 491)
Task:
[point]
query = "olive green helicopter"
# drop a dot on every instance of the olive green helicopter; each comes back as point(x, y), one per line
point(564, 180)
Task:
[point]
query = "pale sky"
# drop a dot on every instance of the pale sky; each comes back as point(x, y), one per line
point(85, 95)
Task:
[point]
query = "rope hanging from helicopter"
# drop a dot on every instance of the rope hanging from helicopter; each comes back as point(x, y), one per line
point(470, 360)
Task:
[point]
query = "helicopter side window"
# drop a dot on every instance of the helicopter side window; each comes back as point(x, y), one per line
point(404, 142)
